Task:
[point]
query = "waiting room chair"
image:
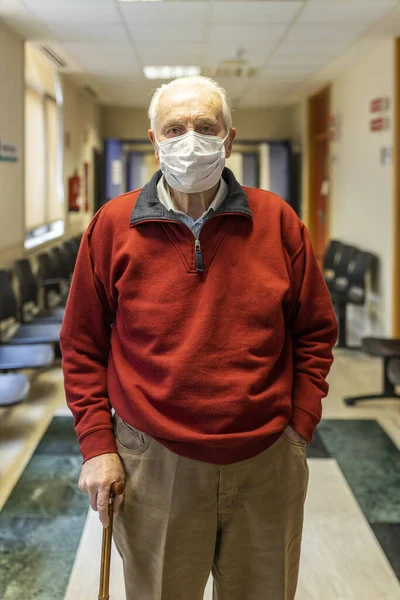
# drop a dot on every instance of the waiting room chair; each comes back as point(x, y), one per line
point(331, 257)
point(18, 357)
point(29, 311)
point(387, 349)
point(350, 287)
point(14, 389)
point(54, 285)
point(71, 248)
point(12, 332)
point(394, 372)
point(63, 265)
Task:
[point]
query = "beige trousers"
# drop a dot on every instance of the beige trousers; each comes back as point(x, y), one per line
point(182, 519)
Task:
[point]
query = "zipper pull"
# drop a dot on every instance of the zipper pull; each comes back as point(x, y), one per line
point(199, 257)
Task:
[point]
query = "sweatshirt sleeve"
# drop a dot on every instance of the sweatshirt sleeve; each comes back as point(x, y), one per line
point(314, 333)
point(85, 347)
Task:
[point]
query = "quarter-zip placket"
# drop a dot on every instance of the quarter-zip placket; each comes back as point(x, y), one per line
point(198, 255)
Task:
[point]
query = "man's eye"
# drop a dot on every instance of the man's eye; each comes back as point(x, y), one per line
point(174, 131)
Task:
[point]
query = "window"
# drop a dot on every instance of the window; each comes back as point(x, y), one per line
point(44, 202)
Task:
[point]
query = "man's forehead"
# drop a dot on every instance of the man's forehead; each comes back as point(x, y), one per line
point(189, 100)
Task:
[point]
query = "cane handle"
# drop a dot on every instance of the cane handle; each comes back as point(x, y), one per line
point(117, 488)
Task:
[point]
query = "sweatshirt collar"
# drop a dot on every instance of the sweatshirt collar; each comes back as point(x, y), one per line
point(148, 206)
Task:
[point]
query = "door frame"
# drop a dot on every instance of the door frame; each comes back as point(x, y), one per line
point(396, 190)
point(312, 135)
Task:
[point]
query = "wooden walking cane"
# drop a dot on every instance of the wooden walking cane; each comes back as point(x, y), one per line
point(116, 490)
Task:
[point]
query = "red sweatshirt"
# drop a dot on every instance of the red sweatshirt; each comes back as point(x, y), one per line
point(211, 346)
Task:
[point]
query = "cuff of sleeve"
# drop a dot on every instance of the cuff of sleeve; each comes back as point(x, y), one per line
point(98, 442)
point(303, 423)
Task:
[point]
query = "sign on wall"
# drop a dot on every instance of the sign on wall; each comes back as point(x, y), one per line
point(379, 105)
point(379, 122)
point(8, 151)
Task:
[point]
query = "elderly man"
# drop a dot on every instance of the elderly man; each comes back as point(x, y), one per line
point(199, 314)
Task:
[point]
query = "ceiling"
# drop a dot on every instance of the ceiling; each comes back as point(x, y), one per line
point(105, 43)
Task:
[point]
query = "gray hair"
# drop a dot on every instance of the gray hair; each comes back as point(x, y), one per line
point(204, 82)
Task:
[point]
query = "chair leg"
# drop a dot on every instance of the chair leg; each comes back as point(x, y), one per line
point(389, 390)
point(351, 401)
point(341, 309)
point(388, 386)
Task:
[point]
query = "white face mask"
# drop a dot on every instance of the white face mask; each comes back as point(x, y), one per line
point(193, 162)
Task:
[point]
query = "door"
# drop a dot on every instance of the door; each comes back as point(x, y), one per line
point(318, 193)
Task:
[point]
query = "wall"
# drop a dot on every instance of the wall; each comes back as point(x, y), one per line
point(361, 194)
point(81, 120)
point(81, 117)
point(125, 123)
point(12, 130)
point(362, 189)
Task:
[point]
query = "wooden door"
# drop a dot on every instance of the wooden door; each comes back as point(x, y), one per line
point(318, 144)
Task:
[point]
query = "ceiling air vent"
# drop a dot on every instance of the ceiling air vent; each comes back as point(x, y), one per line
point(233, 68)
point(57, 60)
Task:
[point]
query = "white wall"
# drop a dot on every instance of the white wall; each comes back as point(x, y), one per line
point(81, 118)
point(361, 205)
point(12, 130)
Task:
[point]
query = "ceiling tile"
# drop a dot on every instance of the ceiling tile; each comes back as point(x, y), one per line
point(71, 12)
point(260, 12)
point(86, 32)
point(96, 48)
point(124, 70)
point(172, 34)
point(326, 33)
point(295, 71)
point(322, 48)
point(242, 35)
point(167, 54)
point(165, 13)
point(346, 12)
point(312, 60)
point(104, 62)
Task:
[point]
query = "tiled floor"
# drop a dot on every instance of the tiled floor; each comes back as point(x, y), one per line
point(50, 543)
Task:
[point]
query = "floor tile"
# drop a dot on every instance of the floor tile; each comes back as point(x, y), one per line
point(48, 488)
point(60, 438)
point(358, 438)
point(388, 535)
point(36, 556)
point(370, 461)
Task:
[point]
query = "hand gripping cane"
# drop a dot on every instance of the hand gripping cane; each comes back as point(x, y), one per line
point(116, 490)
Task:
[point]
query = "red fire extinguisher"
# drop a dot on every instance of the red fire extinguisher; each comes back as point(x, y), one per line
point(74, 184)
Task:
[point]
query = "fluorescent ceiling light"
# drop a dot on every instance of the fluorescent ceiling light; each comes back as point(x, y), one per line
point(170, 72)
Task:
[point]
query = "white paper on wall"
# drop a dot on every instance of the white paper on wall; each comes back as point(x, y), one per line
point(116, 172)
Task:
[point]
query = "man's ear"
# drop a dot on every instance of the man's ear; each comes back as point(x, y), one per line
point(230, 140)
point(152, 138)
